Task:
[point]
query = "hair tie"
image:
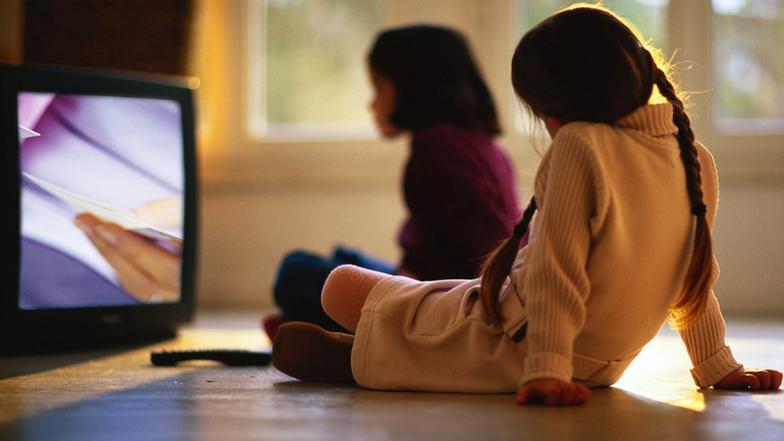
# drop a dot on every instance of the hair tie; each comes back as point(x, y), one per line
point(699, 209)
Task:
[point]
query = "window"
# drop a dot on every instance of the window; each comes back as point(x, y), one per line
point(307, 70)
point(306, 74)
point(738, 49)
point(748, 65)
point(649, 16)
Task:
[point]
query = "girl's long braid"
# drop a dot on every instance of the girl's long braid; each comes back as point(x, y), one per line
point(700, 274)
point(498, 266)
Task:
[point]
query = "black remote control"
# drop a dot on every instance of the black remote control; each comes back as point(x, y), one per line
point(229, 357)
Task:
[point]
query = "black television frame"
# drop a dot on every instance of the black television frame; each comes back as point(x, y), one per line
point(45, 329)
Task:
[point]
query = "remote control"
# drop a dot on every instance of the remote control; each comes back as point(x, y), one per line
point(229, 357)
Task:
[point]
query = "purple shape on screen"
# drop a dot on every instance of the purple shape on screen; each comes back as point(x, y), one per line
point(55, 280)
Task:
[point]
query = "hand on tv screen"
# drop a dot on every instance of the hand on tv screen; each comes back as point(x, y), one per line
point(148, 270)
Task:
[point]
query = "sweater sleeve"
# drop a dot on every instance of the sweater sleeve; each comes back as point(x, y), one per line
point(704, 338)
point(556, 280)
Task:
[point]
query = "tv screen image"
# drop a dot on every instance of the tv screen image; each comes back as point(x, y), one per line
point(99, 175)
point(119, 158)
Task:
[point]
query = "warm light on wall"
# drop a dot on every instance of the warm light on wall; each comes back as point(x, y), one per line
point(210, 65)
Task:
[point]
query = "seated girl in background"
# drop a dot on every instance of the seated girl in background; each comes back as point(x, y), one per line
point(458, 185)
point(621, 242)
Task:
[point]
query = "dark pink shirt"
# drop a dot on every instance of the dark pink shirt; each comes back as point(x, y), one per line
point(460, 191)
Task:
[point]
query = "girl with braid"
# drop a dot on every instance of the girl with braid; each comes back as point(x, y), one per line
point(623, 205)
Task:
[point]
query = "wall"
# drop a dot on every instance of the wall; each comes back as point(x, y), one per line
point(749, 243)
point(248, 230)
point(260, 200)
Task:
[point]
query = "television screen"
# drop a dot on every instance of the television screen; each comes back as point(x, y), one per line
point(117, 158)
point(98, 189)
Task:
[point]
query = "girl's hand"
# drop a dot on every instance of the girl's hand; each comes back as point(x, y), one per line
point(751, 379)
point(552, 392)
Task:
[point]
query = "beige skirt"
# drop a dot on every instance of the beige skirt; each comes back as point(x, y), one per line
point(433, 336)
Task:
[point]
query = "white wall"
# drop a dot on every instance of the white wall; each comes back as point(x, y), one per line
point(246, 231)
point(248, 227)
point(749, 243)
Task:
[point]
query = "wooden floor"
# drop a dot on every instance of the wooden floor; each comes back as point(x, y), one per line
point(119, 395)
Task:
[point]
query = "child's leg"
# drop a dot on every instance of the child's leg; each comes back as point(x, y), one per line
point(310, 353)
point(345, 292)
point(297, 289)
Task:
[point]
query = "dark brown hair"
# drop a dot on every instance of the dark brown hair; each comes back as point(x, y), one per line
point(435, 77)
point(585, 64)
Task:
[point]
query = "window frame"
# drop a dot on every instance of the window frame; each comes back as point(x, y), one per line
point(740, 155)
point(234, 156)
point(240, 156)
point(745, 156)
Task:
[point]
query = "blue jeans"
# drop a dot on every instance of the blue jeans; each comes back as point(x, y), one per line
point(301, 278)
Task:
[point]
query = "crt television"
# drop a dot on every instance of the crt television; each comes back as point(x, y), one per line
point(98, 194)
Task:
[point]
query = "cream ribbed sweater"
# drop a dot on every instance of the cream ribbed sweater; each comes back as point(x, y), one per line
point(610, 245)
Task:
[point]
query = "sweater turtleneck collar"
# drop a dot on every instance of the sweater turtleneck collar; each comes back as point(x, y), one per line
point(652, 119)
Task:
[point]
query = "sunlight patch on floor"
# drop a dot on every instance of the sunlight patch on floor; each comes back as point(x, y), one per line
point(661, 373)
